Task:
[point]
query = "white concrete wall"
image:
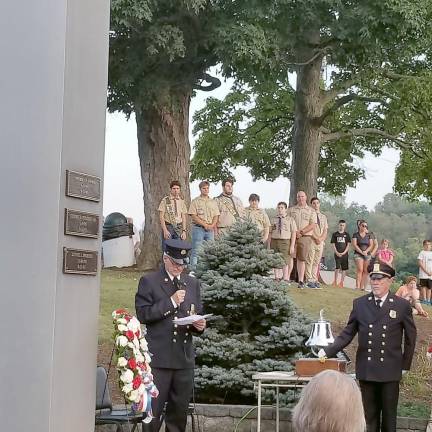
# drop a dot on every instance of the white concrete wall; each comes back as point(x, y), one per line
point(53, 76)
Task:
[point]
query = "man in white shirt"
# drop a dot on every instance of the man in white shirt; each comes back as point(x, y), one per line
point(425, 272)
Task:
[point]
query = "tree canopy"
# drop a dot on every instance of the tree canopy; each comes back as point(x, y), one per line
point(377, 54)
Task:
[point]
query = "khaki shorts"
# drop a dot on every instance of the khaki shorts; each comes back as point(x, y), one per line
point(303, 246)
point(282, 246)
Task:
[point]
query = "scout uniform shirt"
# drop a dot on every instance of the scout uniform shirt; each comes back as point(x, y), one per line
point(230, 208)
point(205, 208)
point(259, 218)
point(283, 227)
point(173, 209)
point(303, 216)
point(320, 224)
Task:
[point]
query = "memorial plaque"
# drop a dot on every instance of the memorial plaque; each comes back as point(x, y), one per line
point(83, 224)
point(84, 186)
point(79, 261)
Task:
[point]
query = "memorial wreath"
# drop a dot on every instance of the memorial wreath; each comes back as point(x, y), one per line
point(133, 362)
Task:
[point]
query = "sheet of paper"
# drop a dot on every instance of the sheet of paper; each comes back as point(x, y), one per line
point(191, 319)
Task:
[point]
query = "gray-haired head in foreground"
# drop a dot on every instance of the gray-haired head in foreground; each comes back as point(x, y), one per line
point(331, 402)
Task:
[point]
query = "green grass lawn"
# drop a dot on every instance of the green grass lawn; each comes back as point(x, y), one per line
point(119, 287)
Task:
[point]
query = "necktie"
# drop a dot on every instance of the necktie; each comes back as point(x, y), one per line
point(280, 225)
point(318, 221)
point(378, 303)
point(176, 284)
point(175, 207)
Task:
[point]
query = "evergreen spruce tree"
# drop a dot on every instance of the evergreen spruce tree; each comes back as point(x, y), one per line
point(259, 327)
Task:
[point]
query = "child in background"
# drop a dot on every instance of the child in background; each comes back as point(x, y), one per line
point(341, 241)
point(425, 272)
point(410, 292)
point(385, 254)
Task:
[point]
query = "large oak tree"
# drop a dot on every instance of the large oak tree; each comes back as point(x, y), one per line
point(374, 51)
point(160, 53)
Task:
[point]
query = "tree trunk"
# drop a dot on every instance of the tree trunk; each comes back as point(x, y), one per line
point(164, 153)
point(307, 135)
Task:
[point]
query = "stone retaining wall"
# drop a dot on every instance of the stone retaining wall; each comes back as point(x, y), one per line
point(240, 418)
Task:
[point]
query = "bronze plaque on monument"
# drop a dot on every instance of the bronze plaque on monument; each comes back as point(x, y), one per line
point(84, 186)
point(83, 224)
point(79, 261)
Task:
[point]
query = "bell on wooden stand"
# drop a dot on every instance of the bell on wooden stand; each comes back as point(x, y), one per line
point(321, 336)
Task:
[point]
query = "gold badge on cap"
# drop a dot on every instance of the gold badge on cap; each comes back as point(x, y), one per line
point(183, 252)
point(392, 313)
point(376, 267)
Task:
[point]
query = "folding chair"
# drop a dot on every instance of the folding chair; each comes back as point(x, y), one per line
point(104, 411)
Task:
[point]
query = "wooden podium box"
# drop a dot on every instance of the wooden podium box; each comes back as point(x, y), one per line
point(312, 366)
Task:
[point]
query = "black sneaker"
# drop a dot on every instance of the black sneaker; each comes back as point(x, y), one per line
point(301, 285)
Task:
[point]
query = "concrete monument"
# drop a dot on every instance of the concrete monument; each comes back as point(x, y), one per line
point(53, 81)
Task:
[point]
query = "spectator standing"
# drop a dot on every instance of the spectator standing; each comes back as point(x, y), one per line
point(319, 234)
point(341, 241)
point(258, 216)
point(384, 253)
point(362, 245)
point(283, 238)
point(172, 214)
point(204, 212)
point(410, 293)
point(424, 260)
point(305, 218)
point(230, 207)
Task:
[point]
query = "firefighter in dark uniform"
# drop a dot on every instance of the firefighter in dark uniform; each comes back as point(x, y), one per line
point(163, 297)
point(382, 322)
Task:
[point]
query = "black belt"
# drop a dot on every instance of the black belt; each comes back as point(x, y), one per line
point(169, 224)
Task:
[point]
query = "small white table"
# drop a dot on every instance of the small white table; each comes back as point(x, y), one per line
point(276, 379)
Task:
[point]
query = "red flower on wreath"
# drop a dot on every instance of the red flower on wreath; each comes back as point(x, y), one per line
point(130, 335)
point(136, 382)
point(121, 311)
point(429, 350)
point(132, 363)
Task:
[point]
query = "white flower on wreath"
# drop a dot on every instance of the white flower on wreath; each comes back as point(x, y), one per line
point(143, 344)
point(121, 321)
point(147, 357)
point(136, 343)
point(122, 328)
point(121, 362)
point(121, 341)
point(133, 324)
point(139, 357)
point(127, 388)
point(134, 396)
point(141, 389)
point(131, 345)
point(127, 376)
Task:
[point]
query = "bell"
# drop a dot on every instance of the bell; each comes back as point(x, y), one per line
point(320, 336)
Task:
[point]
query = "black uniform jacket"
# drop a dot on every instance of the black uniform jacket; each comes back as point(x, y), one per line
point(170, 344)
point(380, 355)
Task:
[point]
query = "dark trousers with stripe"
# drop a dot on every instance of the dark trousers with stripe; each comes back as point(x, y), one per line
point(175, 389)
point(380, 400)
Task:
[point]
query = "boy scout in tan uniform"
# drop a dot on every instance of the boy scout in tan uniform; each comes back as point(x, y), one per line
point(319, 234)
point(230, 207)
point(172, 215)
point(258, 216)
point(305, 221)
point(204, 212)
point(283, 238)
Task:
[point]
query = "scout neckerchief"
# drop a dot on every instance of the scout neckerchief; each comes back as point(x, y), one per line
point(171, 214)
point(228, 202)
